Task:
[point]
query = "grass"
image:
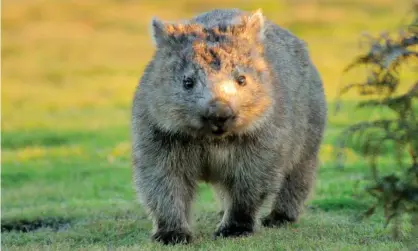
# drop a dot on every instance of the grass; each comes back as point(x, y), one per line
point(68, 73)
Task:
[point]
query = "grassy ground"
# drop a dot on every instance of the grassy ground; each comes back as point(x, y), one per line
point(69, 69)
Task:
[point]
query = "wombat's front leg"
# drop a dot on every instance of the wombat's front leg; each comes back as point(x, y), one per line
point(242, 201)
point(167, 192)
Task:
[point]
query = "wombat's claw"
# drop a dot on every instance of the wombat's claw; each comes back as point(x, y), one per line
point(276, 220)
point(172, 237)
point(233, 231)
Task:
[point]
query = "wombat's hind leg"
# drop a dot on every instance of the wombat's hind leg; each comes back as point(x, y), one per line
point(296, 187)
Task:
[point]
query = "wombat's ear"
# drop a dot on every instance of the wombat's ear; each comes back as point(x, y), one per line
point(158, 32)
point(255, 24)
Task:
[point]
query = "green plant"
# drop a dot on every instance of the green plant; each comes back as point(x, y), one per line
point(396, 192)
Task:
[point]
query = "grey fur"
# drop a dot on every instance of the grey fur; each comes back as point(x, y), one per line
point(276, 155)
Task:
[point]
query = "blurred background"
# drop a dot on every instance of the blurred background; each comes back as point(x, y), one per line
point(69, 69)
point(74, 64)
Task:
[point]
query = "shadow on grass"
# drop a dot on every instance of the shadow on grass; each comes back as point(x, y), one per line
point(25, 225)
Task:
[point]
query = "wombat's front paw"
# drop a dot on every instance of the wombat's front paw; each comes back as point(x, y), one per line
point(172, 237)
point(275, 219)
point(234, 230)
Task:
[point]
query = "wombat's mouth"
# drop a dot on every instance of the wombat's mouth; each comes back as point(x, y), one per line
point(218, 131)
point(217, 128)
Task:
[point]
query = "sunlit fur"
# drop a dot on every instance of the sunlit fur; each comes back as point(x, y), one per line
point(212, 56)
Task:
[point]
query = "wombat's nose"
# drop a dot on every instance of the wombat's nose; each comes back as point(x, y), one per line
point(218, 114)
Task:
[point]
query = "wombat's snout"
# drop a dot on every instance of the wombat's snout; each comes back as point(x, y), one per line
point(218, 115)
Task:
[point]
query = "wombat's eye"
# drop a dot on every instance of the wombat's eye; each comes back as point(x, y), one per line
point(241, 80)
point(188, 83)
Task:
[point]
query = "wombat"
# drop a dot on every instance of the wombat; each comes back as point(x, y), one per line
point(234, 100)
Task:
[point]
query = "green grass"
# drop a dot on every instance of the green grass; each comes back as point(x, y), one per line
point(68, 73)
point(78, 184)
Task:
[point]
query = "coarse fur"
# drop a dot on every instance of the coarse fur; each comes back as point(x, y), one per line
point(234, 100)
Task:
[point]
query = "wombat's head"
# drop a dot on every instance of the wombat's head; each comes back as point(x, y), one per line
point(211, 80)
